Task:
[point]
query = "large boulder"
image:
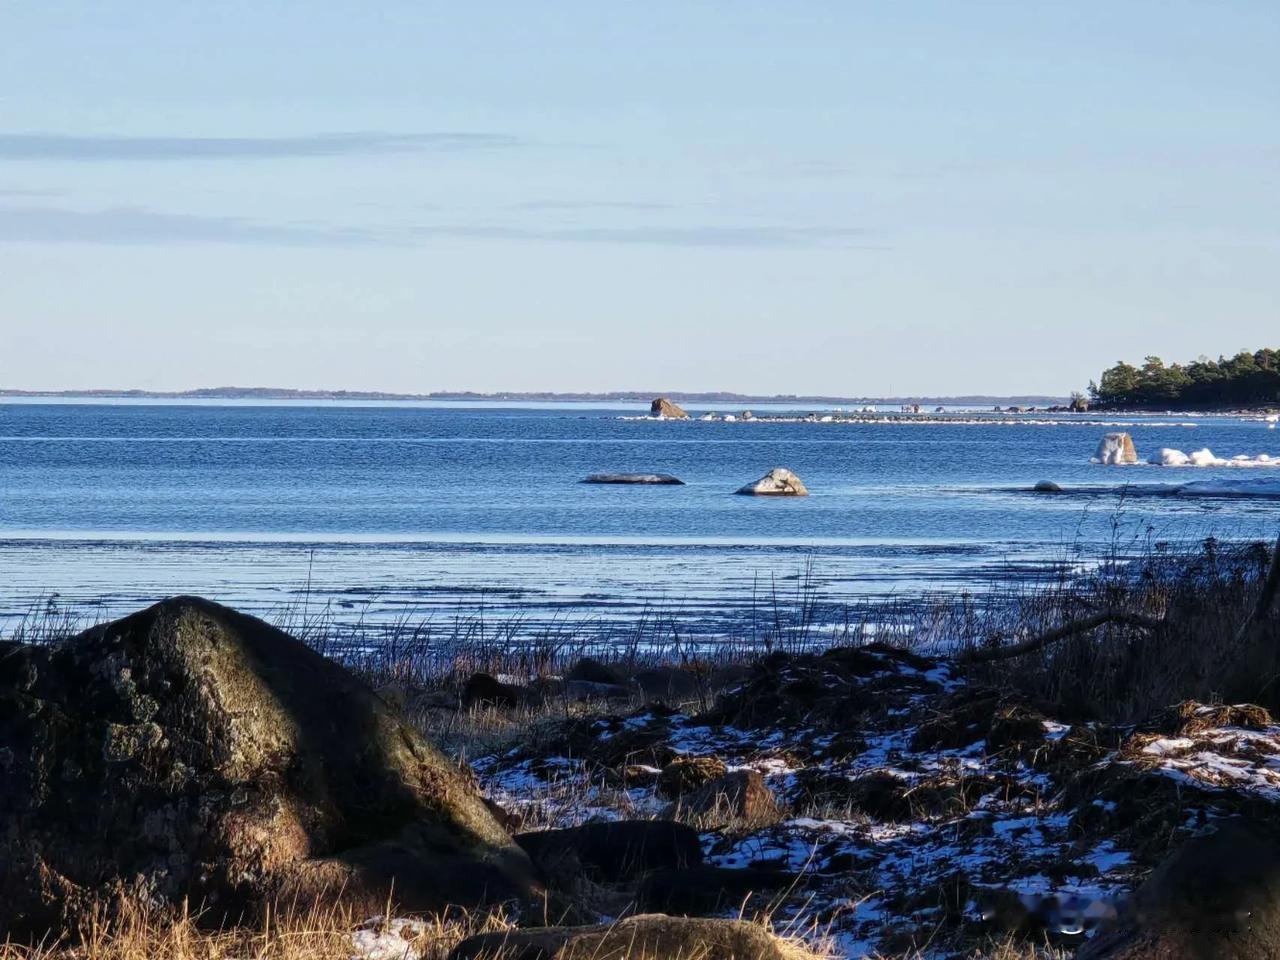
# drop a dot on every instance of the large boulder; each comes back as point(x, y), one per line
point(1116, 449)
point(662, 407)
point(778, 482)
point(192, 752)
point(643, 937)
point(1217, 896)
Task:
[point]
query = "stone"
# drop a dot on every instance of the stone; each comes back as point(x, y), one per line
point(737, 802)
point(190, 752)
point(686, 774)
point(778, 482)
point(641, 937)
point(706, 890)
point(662, 407)
point(1116, 449)
point(669, 685)
point(484, 690)
point(1216, 896)
point(612, 851)
point(636, 479)
point(591, 670)
point(1046, 486)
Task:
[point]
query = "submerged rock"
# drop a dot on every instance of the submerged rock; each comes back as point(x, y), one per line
point(636, 479)
point(1115, 449)
point(778, 482)
point(1046, 486)
point(643, 937)
point(662, 407)
point(192, 752)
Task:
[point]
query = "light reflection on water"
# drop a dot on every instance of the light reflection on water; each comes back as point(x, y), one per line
point(440, 512)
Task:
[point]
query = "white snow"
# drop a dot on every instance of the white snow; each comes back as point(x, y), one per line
point(381, 939)
point(1267, 488)
point(1170, 457)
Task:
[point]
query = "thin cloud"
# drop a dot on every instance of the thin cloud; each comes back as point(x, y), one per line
point(591, 205)
point(131, 226)
point(51, 146)
point(738, 237)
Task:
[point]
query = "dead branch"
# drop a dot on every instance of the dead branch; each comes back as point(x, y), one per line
point(1074, 628)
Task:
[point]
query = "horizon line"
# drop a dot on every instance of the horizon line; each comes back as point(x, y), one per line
point(627, 396)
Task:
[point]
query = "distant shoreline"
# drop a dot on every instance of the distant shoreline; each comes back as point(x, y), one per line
point(620, 396)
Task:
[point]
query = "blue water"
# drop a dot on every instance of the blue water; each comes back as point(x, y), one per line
point(447, 509)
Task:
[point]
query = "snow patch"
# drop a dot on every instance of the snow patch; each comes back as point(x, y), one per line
point(381, 939)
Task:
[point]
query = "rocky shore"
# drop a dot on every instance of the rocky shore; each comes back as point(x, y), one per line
point(858, 801)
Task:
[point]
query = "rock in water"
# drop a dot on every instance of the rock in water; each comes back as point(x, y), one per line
point(1046, 486)
point(778, 482)
point(1218, 896)
point(190, 751)
point(662, 407)
point(641, 479)
point(1116, 448)
point(643, 937)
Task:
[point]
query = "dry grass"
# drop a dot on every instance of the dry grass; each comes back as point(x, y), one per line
point(136, 932)
point(1131, 674)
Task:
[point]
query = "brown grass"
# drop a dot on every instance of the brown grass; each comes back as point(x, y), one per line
point(1125, 673)
point(136, 932)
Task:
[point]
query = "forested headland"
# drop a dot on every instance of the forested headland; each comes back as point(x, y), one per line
point(1245, 380)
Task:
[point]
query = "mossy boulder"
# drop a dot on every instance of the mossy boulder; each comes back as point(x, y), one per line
point(190, 752)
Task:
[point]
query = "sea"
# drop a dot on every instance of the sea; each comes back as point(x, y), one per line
point(472, 517)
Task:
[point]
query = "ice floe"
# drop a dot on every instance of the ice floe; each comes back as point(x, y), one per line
point(1170, 457)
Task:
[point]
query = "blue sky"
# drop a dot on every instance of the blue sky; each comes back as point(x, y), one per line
point(836, 197)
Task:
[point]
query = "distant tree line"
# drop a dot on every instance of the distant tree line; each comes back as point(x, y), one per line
point(1245, 380)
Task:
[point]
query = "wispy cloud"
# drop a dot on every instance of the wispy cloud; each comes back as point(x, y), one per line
point(126, 226)
point(123, 226)
point(689, 236)
point(53, 146)
point(571, 205)
point(9, 193)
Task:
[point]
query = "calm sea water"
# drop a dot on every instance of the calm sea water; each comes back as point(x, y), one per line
point(446, 511)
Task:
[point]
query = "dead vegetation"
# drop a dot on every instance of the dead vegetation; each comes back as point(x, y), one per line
point(1167, 630)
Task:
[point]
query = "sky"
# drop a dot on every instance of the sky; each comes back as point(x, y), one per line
point(848, 198)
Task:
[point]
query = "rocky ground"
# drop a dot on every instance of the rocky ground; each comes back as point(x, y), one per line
point(881, 803)
point(192, 769)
